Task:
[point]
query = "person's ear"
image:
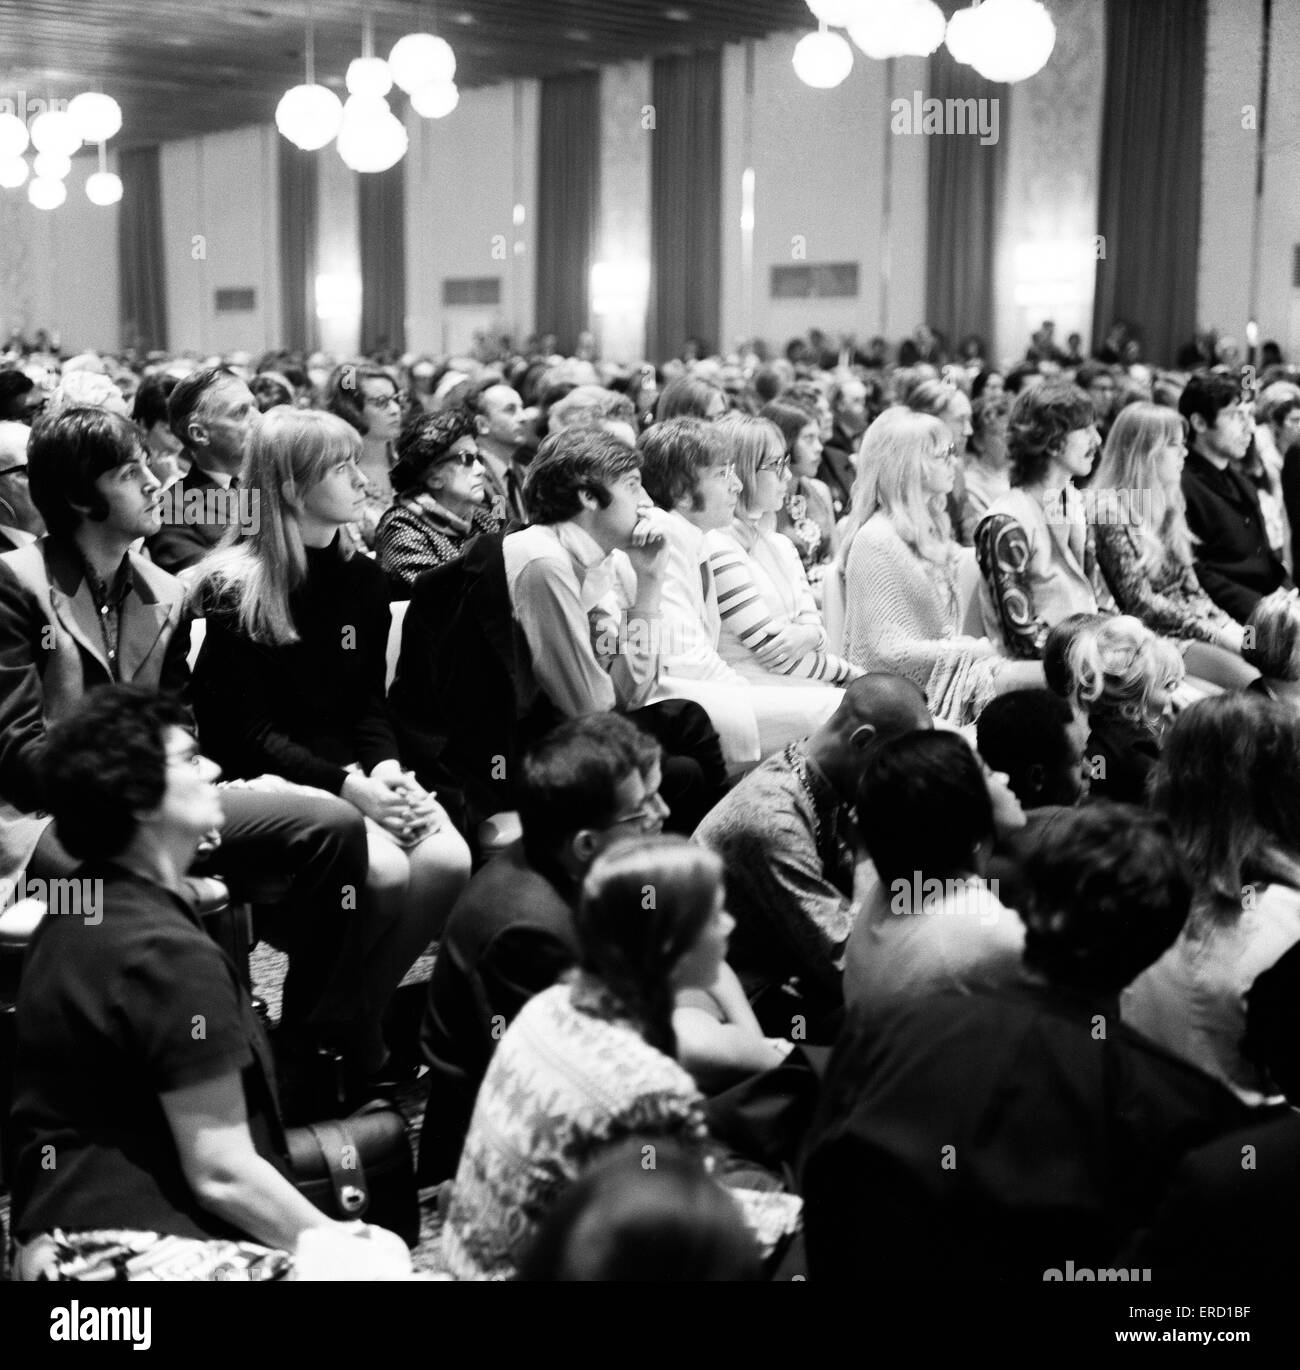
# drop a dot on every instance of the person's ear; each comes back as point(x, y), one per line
point(588, 501)
point(196, 433)
point(585, 844)
point(862, 736)
point(1197, 422)
point(1036, 777)
point(481, 425)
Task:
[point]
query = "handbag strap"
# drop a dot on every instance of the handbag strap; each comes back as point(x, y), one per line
point(338, 1147)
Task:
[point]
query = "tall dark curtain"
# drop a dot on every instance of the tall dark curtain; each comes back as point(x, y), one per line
point(964, 206)
point(383, 260)
point(1149, 213)
point(568, 198)
point(142, 281)
point(299, 213)
point(685, 203)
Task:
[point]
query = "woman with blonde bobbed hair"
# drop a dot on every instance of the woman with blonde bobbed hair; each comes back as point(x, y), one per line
point(1272, 647)
point(772, 629)
point(1144, 547)
point(1137, 674)
point(903, 600)
point(290, 680)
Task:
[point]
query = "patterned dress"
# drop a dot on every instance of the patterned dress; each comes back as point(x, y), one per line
point(571, 1076)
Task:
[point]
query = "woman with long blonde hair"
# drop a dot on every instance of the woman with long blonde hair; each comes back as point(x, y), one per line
point(903, 603)
point(1144, 546)
point(290, 678)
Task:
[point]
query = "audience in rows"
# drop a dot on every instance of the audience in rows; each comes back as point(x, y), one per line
point(986, 760)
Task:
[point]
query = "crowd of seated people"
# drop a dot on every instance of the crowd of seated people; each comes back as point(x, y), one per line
point(788, 762)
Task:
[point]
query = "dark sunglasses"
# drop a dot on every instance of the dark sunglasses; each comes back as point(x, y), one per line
point(465, 459)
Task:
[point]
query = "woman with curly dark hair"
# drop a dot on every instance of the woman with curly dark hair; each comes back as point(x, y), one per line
point(442, 498)
point(1034, 545)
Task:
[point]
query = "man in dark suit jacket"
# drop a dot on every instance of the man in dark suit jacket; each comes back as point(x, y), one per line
point(1234, 562)
point(838, 465)
point(212, 413)
point(511, 933)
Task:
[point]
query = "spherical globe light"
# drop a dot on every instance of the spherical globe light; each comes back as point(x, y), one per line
point(45, 193)
point(95, 116)
point(53, 166)
point(822, 60)
point(963, 36)
point(1016, 37)
point(13, 172)
point(421, 59)
point(900, 28)
point(54, 131)
point(436, 100)
point(13, 136)
point(369, 76)
point(104, 188)
point(372, 137)
point(309, 116)
point(839, 14)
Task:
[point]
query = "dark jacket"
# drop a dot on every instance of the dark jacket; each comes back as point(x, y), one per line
point(509, 937)
point(1234, 562)
point(837, 469)
point(191, 528)
point(453, 700)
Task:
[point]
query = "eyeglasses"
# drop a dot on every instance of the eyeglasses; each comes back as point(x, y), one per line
point(383, 401)
point(465, 459)
point(19, 470)
point(781, 467)
point(948, 453)
point(645, 816)
point(722, 472)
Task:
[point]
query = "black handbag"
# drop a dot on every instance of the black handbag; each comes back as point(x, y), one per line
point(359, 1168)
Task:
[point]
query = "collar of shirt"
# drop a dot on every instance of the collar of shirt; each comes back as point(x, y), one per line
point(111, 593)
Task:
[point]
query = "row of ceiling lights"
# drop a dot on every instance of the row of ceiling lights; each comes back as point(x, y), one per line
point(1004, 40)
point(91, 117)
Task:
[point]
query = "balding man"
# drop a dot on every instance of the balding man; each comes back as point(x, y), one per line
point(786, 836)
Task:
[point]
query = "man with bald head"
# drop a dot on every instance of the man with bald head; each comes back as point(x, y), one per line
point(787, 838)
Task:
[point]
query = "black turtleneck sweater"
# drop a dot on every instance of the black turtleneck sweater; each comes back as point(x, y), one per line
point(307, 710)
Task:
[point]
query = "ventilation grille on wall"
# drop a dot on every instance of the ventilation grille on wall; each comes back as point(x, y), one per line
point(471, 290)
point(819, 281)
point(236, 300)
point(1295, 267)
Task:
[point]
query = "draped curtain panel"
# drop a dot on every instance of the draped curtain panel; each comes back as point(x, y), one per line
point(299, 215)
point(382, 210)
point(964, 201)
point(1149, 213)
point(568, 201)
point(142, 283)
point(685, 204)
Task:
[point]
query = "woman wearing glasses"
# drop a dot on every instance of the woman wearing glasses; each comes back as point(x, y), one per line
point(771, 626)
point(367, 397)
point(290, 681)
point(442, 501)
point(903, 604)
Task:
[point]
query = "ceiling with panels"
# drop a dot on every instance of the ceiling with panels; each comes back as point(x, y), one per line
point(182, 67)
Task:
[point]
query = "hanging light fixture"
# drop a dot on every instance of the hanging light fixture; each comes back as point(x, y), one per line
point(435, 100)
point(309, 115)
point(95, 116)
point(53, 165)
point(899, 28)
point(372, 137)
point(822, 59)
point(14, 137)
point(421, 59)
point(54, 131)
point(13, 172)
point(46, 193)
point(1012, 39)
point(104, 187)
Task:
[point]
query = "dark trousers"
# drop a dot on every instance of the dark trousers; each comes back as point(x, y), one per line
point(301, 859)
point(694, 775)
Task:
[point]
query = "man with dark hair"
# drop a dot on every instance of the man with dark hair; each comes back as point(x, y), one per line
point(585, 583)
point(21, 399)
point(1234, 562)
point(212, 414)
point(593, 406)
point(1098, 380)
point(499, 419)
point(787, 839)
point(850, 414)
point(511, 932)
point(1033, 737)
point(1004, 1134)
point(80, 609)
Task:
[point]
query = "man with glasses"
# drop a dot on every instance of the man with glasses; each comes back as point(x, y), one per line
point(510, 936)
point(1234, 561)
point(212, 414)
